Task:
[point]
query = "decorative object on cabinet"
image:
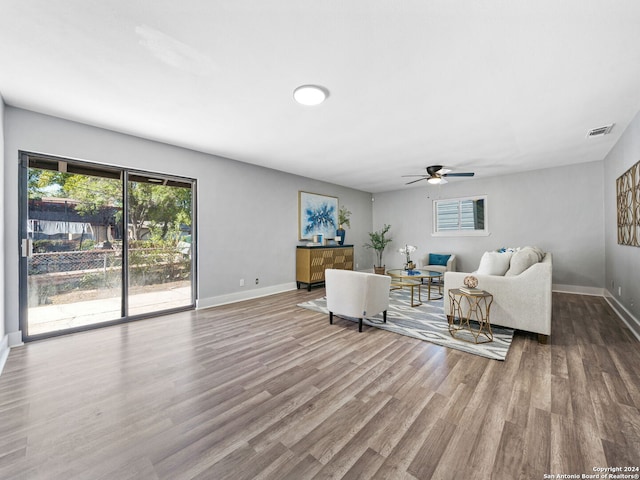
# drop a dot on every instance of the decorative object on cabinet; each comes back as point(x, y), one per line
point(311, 262)
point(317, 214)
point(378, 242)
point(343, 221)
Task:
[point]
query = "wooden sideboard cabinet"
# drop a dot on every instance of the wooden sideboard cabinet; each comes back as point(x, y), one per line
point(312, 261)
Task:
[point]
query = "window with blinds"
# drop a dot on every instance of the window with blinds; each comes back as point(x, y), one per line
point(460, 216)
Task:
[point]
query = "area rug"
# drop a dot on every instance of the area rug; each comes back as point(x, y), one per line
point(425, 322)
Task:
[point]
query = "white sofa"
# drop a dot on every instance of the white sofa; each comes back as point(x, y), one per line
point(521, 301)
point(356, 294)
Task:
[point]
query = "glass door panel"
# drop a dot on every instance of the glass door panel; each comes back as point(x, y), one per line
point(159, 217)
point(74, 243)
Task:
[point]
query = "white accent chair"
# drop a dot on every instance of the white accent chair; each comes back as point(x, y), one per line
point(449, 267)
point(356, 294)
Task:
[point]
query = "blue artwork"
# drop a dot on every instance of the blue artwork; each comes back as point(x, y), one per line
point(318, 214)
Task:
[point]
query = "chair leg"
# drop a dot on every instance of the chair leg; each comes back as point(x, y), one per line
point(360, 325)
point(331, 318)
point(384, 316)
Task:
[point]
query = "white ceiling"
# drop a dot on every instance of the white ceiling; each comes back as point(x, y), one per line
point(495, 86)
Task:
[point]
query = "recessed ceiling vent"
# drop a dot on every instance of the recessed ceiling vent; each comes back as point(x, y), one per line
point(597, 132)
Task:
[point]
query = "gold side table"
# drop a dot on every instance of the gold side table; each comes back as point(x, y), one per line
point(467, 308)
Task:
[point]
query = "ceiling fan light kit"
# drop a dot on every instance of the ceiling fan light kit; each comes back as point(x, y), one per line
point(436, 173)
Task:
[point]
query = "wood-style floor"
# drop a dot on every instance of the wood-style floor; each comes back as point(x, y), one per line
point(266, 390)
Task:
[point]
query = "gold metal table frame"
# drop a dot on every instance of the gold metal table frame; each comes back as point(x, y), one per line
point(467, 307)
point(401, 278)
point(400, 283)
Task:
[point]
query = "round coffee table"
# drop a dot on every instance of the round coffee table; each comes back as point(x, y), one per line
point(413, 278)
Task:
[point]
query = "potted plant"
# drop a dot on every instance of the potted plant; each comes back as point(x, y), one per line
point(378, 241)
point(343, 221)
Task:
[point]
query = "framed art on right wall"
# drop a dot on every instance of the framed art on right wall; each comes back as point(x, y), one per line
point(628, 203)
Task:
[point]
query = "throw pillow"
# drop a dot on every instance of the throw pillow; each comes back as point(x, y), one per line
point(522, 260)
point(494, 263)
point(435, 259)
point(539, 252)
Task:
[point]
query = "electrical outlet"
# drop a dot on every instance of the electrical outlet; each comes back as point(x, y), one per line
point(257, 281)
point(356, 266)
point(242, 282)
point(619, 291)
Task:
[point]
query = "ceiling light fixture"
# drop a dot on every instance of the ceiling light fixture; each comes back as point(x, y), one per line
point(435, 180)
point(310, 94)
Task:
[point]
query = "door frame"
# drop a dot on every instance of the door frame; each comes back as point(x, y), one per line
point(23, 210)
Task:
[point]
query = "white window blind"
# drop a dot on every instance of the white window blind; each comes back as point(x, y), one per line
point(460, 216)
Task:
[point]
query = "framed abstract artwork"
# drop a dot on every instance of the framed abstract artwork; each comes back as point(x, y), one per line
point(628, 202)
point(317, 214)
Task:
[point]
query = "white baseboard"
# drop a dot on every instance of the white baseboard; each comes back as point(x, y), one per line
point(13, 339)
point(627, 317)
point(4, 352)
point(578, 289)
point(247, 295)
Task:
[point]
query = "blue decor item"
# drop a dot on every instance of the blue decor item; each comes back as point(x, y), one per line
point(435, 259)
point(413, 272)
point(341, 233)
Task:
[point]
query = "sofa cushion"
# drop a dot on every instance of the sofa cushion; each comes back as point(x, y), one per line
point(521, 260)
point(494, 263)
point(538, 252)
point(436, 259)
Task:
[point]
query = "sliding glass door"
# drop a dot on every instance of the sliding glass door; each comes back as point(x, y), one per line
point(159, 216)
point(80, 266)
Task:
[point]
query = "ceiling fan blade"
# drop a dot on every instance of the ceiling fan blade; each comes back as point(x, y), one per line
point(425, 176)
point(414, 181)
point(468, 174)
point(443, 171)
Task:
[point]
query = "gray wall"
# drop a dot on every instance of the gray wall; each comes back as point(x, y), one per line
point(3, 341)
point(247, 215)
point(622, 261)
point(559, 210)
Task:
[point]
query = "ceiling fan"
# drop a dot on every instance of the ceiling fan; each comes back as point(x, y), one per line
point(436, 173)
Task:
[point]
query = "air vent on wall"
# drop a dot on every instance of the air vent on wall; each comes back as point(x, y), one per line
point(596, 132)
